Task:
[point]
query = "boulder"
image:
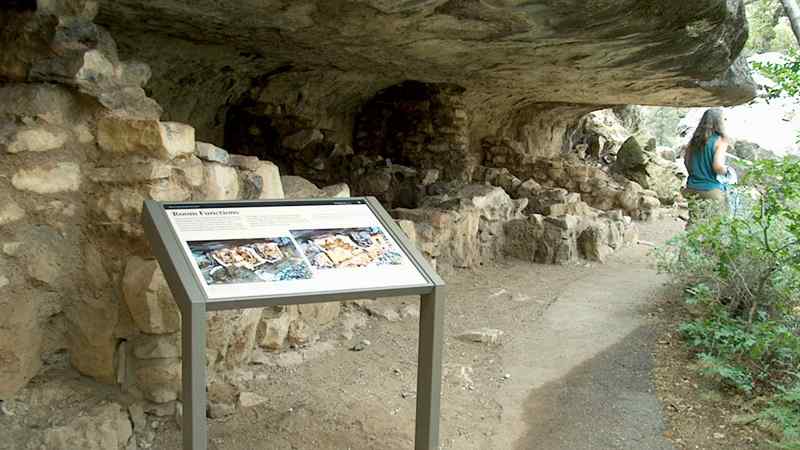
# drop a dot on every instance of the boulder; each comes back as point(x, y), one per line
point(164, 140)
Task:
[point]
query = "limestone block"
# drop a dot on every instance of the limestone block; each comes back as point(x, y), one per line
point(271, 186)
point(35, 139)
point(244, 162)
point(297, 187)
point(165, 140)
point(251, 399)
point(95, 267)
point(10, 211)
point(155, 346)
point(132, 173)
point(340, 190)
point(251, 186)
point(148, 297)
point(648, 203)
point(450, 235)
point(96, 69)
point(44, 266)
point(106, 427)
point(169, 189)
point(273, 332)
point(122, 205)
point(628, 198)
point(377, 182)
point(527, 189)
point(222, 182)
point(159, 379)
point(49, 103)
point(523, 237)
point(593, 243)
point(300, 333)
point(191, 170)
point(221, 399)
point(90, 336)
point(232, 337)
point(49, 178)
point(319, 314)
point(483, 335)
point(302, 139)
point(211, 153)
point(20, 343)
point(409, 228)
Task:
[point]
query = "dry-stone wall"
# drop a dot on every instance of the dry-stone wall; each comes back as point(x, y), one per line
point(418, 124)
point(83, 148)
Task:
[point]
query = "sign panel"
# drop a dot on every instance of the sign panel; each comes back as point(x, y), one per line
point(250, 250)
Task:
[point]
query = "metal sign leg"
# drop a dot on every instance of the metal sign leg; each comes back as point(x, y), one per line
point(429, 372)
point(193, 340)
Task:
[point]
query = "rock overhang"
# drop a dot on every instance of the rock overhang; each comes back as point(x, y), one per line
point(506, 53)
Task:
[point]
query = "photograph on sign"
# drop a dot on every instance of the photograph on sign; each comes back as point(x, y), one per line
point(249, 260)
point(247, 251)
point(347, 247)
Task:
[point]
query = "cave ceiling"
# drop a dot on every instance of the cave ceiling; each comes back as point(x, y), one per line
point(506, 53)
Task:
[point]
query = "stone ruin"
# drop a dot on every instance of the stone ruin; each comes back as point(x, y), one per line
point(481, 151)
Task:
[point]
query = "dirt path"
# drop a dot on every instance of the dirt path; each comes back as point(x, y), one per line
point(571, 372)
point(585, 366)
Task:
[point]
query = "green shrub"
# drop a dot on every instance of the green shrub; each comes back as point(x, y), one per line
point(742, 277)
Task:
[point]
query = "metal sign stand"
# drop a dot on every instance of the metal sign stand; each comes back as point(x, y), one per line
point(191, 298)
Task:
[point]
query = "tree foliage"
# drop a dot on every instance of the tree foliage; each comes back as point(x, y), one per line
point(769, 28)
point(786, 75)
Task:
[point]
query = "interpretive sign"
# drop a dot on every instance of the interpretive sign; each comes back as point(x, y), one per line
point(244, 250)
point(244, 254)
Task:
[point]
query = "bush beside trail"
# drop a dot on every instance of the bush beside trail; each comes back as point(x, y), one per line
point(741, 274)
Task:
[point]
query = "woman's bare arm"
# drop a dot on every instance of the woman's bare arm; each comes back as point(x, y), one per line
point(720, 153)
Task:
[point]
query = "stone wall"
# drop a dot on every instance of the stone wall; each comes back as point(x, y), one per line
point(83, 148)
point(418, 124)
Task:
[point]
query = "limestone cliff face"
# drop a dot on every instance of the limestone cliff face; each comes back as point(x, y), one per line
point(507, 54)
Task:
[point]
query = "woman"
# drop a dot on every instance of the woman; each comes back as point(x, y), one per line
point(705, 159)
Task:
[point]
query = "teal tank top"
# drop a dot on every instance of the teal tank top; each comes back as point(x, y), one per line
point(701, 173)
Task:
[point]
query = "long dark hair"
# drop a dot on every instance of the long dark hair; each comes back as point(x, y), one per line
point(712, 122)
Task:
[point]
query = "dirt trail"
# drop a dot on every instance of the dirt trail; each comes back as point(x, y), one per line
point(585, 365)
